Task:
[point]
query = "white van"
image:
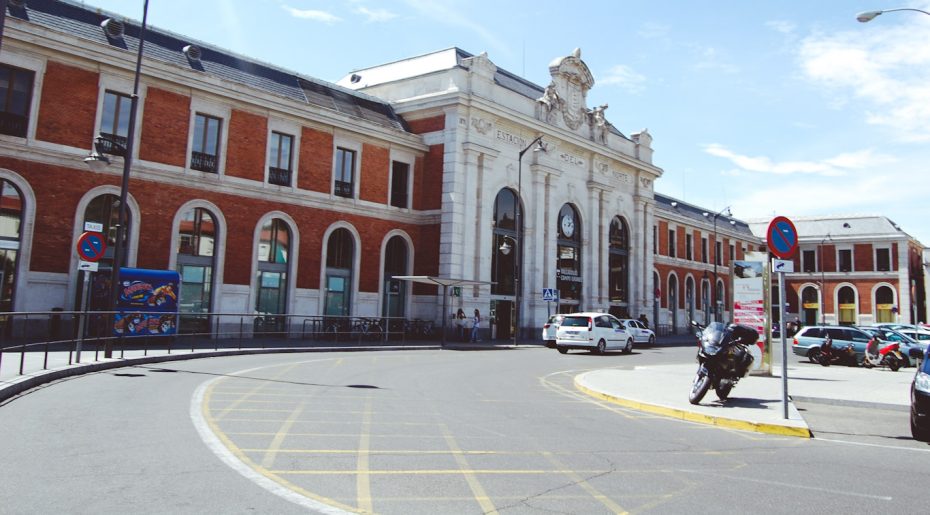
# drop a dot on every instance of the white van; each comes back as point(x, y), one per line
point(595, 332)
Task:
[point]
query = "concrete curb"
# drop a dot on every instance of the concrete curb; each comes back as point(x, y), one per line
point(681, 414)
point(26, 382)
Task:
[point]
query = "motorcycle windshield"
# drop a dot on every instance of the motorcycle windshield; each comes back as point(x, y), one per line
point(712, 338)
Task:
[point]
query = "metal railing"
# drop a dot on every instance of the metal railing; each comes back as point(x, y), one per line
point(33, 341)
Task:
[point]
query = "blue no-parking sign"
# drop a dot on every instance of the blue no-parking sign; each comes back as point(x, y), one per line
point(782, 237)
point(91, 246)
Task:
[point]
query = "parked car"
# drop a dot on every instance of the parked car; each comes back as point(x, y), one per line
point(550, 329)
point(808, 340)
point(596, 332)
point(920, 402)
point(640, 333)
point(921, 336)
point(907, 345)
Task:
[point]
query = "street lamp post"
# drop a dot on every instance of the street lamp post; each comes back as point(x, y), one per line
point(823, 291)
point(518, 247)
point(97, 162)
point(713, 290)
point(868, 16)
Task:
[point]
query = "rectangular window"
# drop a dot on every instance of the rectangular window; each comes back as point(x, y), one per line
point(345, 173)
point(883, 260)
point(671, 243)
point(809, 261)
point(704, 250)
point(717, 251)
point(114, 124)
point(845, 258)
point(689, 245)
point(655, 240)
point(206, 152)
point(279, 159)
point(15, 99)
point(732, 252)
point(400, 179)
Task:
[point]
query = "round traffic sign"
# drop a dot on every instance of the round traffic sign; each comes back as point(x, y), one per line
point(782, 237)
point(91, 246)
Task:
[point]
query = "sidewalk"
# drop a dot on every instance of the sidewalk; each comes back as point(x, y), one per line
point(756, 402)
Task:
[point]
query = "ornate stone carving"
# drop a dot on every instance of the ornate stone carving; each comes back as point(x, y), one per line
point(647, 183)
point(599, 124)
point(481, 125)
point(568, 90)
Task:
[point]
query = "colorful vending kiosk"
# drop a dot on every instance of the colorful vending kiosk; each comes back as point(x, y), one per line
point(147, 302)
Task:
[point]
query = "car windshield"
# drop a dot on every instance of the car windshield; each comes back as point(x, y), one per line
point(576, 321)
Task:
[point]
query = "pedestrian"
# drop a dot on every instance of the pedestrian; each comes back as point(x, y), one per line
point(643, 320)
point(460, 321)
point(474, 327)
point(797, 324)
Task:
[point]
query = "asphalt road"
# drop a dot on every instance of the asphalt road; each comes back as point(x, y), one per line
point(424, 432)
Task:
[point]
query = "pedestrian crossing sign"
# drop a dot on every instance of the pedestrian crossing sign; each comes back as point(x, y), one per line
point(550, 295)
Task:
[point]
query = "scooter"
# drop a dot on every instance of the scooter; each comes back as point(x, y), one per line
point(723, 358)
point(888, 356)
point(830, 355)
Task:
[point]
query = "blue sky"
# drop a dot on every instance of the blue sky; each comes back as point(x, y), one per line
point(787, 107)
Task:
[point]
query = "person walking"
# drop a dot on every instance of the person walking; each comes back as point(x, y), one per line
point(643, 320)
point(474, 327)
point(460, 321)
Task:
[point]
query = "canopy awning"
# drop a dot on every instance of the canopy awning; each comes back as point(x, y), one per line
point(445, 282)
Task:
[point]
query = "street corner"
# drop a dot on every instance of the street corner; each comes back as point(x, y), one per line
point(662, 390)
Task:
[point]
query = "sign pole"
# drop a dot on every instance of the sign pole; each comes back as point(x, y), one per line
point(82, 322)
point(784, 342)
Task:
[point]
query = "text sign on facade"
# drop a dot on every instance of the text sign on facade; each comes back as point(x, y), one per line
point(782, 237)
point(91, 246)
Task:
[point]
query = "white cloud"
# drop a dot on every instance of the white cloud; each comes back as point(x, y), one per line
point(461, 16)
point(310, 14)
point(783, 26)
point(651, 30)
point(838, 165)
point(625, 77)
point(883, 70)
point(376, 15)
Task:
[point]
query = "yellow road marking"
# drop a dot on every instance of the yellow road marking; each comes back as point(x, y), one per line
point(476, 489)
point(363, 481)
point(587, 487)
point(468, 472)
point(258, 387)
point(272, 451)
point(205, 411)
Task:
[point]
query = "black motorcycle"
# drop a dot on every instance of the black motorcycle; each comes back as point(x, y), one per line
point(723, 358)
point(841, 355)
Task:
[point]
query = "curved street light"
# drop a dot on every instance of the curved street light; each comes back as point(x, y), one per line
point(537, 146)
point(868, 16)
point(97, 162)
point(713, 290)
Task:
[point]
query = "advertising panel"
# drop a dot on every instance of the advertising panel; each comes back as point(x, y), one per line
point(147, 301)
point(749, 307)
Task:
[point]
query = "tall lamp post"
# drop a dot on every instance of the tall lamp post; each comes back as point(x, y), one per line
point(518, 256)
point(97, 162)
point(713, 290)
point(868, 16)
point(823, 291)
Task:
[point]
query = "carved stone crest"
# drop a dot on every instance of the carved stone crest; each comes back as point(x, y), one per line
point(481, 125)
point(568, 91)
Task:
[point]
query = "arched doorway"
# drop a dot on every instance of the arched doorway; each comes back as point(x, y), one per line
point(568, 276)
point(846, 301)
point(672, 299)
point(340, 254)
point(618, 279)
point(11, 213)
point(196, 262)
point(505, 264)
point(884, 304)
point(689, 298)
point(272, 276)
point(395, 292)
point(810, 305)
point(103, 211)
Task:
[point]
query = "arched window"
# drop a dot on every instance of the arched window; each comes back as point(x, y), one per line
point(720, 305)
point(11, 212)
point(197, 234)
point(810, 303)
point(672, 299)
point(884, 304)
point(104, 210)
point(340, 253)
point(846, 298)
point(689, 297)
point(619, 262)
point(395, 291)
point(503, 251)
point(568, 259)
point(705, 300)
point(273, 250)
